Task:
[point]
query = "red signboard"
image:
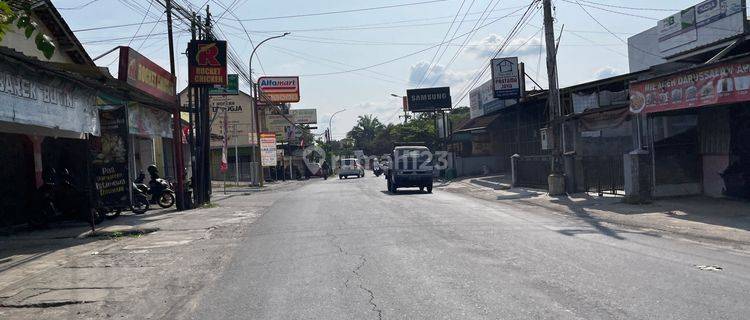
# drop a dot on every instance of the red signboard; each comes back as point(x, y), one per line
point(717, 84)
point(146, 75)
point(207, 62)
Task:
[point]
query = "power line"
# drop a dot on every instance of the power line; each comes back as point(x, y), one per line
point(345, 11)
point(472, 32)
point(612, 33)
point(429, 65)
point(81, 6)
point(630, 8)
point(403, 56)
point(150, 3)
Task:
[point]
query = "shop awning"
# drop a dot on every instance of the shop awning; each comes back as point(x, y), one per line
point(477, 124)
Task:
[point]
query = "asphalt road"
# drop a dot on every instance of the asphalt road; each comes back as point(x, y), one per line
point(346, 249)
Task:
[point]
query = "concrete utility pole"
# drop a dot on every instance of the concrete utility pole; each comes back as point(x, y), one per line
point(179, 164)
point(556, 180)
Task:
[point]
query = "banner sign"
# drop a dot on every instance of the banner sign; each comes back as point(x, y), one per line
point(109, 154)
point(144, 74)
point(304, 116)
point(506, 80)
point(27, 97)
point(278, 89)
point(232, 87)
point(717, 84)
point(207, 62)
point(429, 99)
point(268, 149)
point(706, 23)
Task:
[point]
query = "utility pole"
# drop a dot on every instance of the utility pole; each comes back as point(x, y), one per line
point(176, 120)
point(556, 180)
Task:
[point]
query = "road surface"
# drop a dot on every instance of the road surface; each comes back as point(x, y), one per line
point(347, 249)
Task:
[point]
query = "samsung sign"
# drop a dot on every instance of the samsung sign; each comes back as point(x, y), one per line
point(429, 99)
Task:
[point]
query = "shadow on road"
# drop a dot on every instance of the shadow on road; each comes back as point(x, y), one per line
point(405, 192)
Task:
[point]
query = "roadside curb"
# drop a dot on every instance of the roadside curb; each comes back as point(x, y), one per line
point(116, 232)
point(681, 231)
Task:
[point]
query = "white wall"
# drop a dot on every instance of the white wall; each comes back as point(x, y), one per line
point(16, 39)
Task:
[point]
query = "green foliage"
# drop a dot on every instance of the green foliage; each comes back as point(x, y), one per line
point(24, 22)
point(375, 138)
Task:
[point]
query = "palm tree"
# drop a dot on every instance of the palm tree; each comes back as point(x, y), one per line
point(365, 131)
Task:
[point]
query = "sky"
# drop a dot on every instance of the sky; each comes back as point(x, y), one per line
point(355, 60)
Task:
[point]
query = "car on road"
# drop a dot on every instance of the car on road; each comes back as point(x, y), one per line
point(350, 167)
point(410, 166)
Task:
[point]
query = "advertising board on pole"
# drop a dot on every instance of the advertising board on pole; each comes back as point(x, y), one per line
point(506, 80)
point(144, 74)
point(232, 87)
point(268, 149)
point(278, 89)
point(429, 99)
point(207, 62)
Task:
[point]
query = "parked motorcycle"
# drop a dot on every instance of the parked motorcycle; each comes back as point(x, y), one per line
point(161, 190)
point(59, 199)
point(139, 205)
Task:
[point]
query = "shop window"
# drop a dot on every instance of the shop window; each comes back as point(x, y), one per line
point(675, 142)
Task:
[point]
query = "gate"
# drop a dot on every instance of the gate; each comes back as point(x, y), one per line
point(532, 171)
point(603, 174)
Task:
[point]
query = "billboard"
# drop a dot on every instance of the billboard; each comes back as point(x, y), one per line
point(429, 99)
point(268, 149)
point(506, 80)
point(144, 74)
point(703, 24)
point(207, 62)
point(304, 116)
point(278, 89)
point(232, 87)
point(482, 101)
point(717, 84)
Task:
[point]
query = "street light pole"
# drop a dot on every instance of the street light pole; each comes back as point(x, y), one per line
point(330, 119)
point(406, 115)
point(255, 109)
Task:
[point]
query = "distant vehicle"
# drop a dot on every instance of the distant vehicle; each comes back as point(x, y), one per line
point(377, 169)
point(350, 167)
point(410, 166)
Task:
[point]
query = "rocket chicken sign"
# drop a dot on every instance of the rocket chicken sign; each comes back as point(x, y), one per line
point(146, 75)
point(207, 62)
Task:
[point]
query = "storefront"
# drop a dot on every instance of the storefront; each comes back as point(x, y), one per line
point(46, 117)
point(697, 129)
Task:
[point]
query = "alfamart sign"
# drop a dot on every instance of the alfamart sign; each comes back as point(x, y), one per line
point(278, 89)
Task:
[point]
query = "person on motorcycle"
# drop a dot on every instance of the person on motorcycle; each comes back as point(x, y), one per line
point(156, 187)
point(324, 168)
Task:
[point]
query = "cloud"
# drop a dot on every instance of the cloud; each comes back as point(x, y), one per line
point(488, 46)
point(436, 74)
point(606, 72)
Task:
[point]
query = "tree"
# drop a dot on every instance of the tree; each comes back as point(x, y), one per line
point(363, 134)
point(22, 20)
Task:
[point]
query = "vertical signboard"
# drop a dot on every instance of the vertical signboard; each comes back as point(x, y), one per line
point(268, 149)
point(207, 62)
point(109, 154)
point(506, 81)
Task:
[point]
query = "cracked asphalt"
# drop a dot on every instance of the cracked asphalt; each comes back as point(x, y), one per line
point(346, 249)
